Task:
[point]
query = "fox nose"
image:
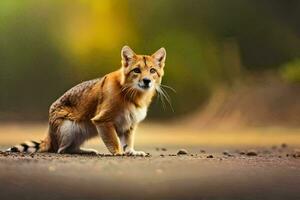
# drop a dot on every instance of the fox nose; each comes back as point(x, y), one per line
point(146, 82)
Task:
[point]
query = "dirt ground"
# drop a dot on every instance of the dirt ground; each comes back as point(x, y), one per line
point(210, 169)
point(51, 176)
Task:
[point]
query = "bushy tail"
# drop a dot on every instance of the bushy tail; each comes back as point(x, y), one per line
point(29, 147)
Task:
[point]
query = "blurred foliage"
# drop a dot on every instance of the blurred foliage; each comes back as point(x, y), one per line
point(48, 46)
point(291, 71)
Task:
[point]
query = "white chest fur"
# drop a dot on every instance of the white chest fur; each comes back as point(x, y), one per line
point(129, 117)
point(138, 114)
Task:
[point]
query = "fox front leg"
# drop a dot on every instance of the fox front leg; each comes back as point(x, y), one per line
point(128, 144)
point(110, 138)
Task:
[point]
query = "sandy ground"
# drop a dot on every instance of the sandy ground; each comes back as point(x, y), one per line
point(274, 173)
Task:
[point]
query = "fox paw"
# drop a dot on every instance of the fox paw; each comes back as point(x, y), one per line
point(135, 153)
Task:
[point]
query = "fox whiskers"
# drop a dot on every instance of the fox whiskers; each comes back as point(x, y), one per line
point(164, 96)
point(168, 87)
point(162, 100)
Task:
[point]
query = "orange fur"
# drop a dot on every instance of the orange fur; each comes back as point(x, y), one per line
point(111, 106)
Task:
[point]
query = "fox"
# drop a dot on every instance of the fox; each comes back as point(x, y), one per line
point(110, 107)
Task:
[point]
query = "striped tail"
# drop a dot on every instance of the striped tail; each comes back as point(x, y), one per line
point(26, 147)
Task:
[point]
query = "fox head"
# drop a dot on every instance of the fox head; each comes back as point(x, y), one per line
point(142, 72)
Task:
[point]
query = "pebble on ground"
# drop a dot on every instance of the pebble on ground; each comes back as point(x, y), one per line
point(251, 152)
point(182, 152)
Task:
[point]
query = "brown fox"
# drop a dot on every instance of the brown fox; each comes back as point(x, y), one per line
point(111, 107)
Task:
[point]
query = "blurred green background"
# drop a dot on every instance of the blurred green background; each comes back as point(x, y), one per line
point(48, 46)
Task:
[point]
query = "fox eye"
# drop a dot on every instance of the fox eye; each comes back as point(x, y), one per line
point(152, 70)
point(136, 70)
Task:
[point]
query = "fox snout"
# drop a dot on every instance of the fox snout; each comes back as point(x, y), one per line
point(145, 83)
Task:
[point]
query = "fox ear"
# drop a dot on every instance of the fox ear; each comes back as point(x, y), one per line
point(160, 56)
point(127, 55)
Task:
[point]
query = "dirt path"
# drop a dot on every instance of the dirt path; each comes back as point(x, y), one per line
point(269, 175)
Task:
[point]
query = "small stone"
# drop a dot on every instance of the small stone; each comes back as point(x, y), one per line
point(251, 153)
point(182, 152)
point(202, 151)
point(163, 149)
point(162, 155)
point(242, 153)
point(284, 145)
point(296, 153)
point(226, 153)
point(210, 156)
point(156, 148)
point(148, 155)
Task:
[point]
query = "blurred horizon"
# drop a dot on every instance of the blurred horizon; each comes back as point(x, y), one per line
point(235, 62)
